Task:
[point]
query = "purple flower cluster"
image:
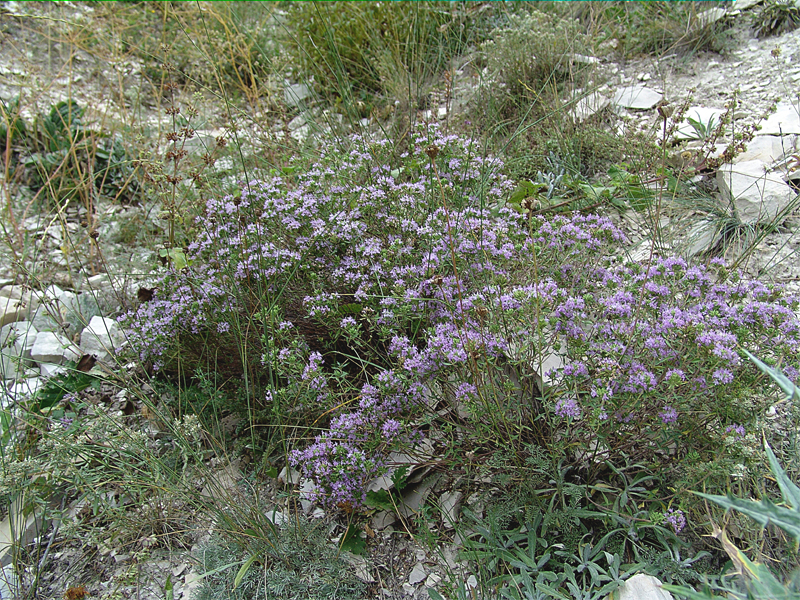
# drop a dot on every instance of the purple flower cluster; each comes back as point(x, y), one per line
point(676, 519)
point(423, 291)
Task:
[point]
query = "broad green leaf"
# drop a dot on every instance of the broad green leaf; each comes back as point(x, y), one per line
point(763, 512)
point(686, 592)
point(352, 541)
point(243, 570)
point(786, 384)
point(789, 491)
point(176, 256)
point(168, 591)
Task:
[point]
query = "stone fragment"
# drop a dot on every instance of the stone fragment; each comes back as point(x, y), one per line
point(288, 476)
point(589, 105)
point(383, 519)
point(768, 149)
point(640, 587)
point(449, 503)
point(417, 574)
point(710, 16)
point(360, 566)
point(18, 336)
point(10, 367)
point(15, 304)
point(277, 517)
point(414, 497)
point(637, 97)
point(702, 237)
point(298, 122)
point(222, 486)
point(757, 196)
point(433, 580)
point(25, 388)
point(20, 526)
point(783, 121)
point(48, 369)
point(52, 348)
point(307, 487)
point(295, 94)
point(101, 337)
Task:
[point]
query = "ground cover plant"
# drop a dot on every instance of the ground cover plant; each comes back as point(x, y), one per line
point(380, 294)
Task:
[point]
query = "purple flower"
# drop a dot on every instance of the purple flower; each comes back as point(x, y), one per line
point(737, 430)
point(668, 415)
point(568, 408)
point(722, 376)
point(390, 429)
point(676, 518)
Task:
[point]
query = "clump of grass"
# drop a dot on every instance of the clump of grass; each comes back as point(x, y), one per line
point(296, 562)
point(355, 52)
point(657, 28)
point(538, 65)
point(776, 17)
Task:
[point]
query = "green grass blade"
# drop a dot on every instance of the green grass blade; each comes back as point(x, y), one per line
point(790, 492)
point(763, 512)
point(243, 570)
point(786, 384)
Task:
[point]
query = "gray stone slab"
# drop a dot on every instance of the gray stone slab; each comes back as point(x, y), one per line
point(640, 587)
point(637, 97)
point(53, 348)
point(295, 94)
point(758, 196)
point(785, 120)
point(101, 337)
point(768, 148)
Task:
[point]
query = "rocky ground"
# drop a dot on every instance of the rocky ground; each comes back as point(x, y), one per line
point(64, 321)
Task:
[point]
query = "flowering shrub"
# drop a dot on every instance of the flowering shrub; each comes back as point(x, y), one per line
point(384, 281)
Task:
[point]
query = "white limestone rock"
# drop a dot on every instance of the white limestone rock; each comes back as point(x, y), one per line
point(48, 370)
point(15, 304)
point(640, 587)
point(768, 149)
point(589, 105)
point(294, 95)
point(450, 503)
point(783, 121)
point(10, 367)
point(18, 337)
point(417, 574)
point(757, 195)
point(101, 337)
point(50, 347)
point(637, 97)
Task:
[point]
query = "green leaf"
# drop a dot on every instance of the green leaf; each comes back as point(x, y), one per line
point(789, 491)
point(686, 592)
point(525, 189)
point(168, 591)
point(434, 594)
point(763, 512)
point(57, 387)
point(792, 391)
point(176, 256)
point(243, 570)
point(352, 541)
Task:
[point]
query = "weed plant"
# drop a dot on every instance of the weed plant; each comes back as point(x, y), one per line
point(297, 562)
